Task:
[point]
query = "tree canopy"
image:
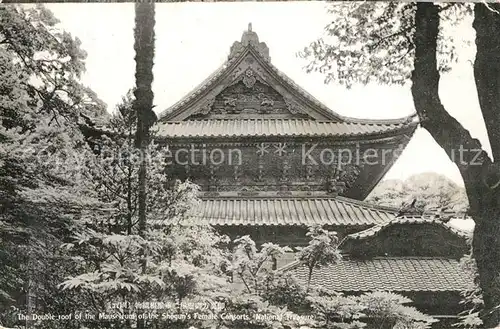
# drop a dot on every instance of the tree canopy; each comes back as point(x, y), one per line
point(372, 42)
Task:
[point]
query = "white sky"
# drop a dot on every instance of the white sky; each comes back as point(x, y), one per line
point(193, 39)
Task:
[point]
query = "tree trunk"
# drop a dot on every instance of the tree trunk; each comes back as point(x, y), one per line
point(309, 277)
point(486, 243)
point(486, 251)
point(144, 49)
point(143, 105)
point(480, 174)
point(487, 69)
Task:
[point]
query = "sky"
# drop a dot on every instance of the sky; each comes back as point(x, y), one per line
point(193, 40)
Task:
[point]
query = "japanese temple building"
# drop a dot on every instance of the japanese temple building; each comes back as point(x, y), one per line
point(272, 160)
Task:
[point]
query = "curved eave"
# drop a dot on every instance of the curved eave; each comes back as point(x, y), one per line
point(278, 211)
point(237, 135)
point(401, 132)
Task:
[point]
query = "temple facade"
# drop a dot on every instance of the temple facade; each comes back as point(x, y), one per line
point(272, 160)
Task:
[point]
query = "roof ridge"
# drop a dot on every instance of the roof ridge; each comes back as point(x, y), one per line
point(323, 106)
point(289, 266)
point(252, 48)
point(305, 94)
point(228, 64)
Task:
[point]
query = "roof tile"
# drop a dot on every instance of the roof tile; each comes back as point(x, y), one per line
point(388, 274)
point(273, 127)
point(373, 231)
point(291, 211)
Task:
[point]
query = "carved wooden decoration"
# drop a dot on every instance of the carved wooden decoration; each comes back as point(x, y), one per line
point(285, 171)
point(207, 107)
point(292, 106)
point(248, 96)
point(341, 179)
point(260, 169)
point(249, 79)
point(212, 179)
point(265, 166)
point(248, 191)
point(309, 171)
point(236, 173)
point(249, 38)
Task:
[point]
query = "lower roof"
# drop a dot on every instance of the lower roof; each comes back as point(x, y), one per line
point(422, 219)
point(398, 274)
point(292, 211)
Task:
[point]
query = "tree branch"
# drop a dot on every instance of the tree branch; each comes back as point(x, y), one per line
point(385, 38)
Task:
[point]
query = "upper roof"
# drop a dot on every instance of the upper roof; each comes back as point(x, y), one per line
point(250, 60)
point(279, 127)
point(290, 211)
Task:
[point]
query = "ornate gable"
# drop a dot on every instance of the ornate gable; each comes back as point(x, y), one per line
point(249, 96)
point(249, 86)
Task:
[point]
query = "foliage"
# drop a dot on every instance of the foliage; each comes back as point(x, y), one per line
point(432, 192)
point(174, 260)
point(251, 265)
point(53, 61)
point(55, 191)
point(282, 289)
point(373, 42)
point(334, 310)
point(394, 43)
point(321, 250)
point(260, 297)
point(369, 310)
point(40, 103)
point(276, 293)
point(390, 308)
